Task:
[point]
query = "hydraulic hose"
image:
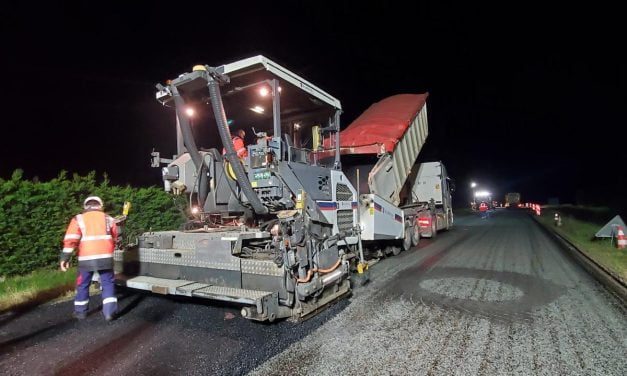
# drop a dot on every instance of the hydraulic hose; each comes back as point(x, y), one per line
point(311, 271)
point(192, 149)
point(231, 155)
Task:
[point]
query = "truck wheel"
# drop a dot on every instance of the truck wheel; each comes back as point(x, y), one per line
point(449, 220)
point(393, 249)
point(415, 236)
point(407, 242)
point(434, 227)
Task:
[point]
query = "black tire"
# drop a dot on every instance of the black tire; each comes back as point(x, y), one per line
point(407, 241)
point(434, 227)
point(415, 236)
point(394, 250)
point(449, 220)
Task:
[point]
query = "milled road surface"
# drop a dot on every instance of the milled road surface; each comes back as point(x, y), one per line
point(491, 296)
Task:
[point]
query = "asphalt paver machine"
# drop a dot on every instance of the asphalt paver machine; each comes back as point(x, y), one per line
point(282, 229)
point(275, 231)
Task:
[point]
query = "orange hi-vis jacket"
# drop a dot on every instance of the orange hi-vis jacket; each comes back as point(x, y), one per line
point(239, 146)
point(95, 234)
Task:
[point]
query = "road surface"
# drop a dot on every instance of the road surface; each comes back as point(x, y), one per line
point(490, 296)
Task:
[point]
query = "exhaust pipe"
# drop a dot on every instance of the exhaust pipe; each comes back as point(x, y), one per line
point(190, 144)
point(331, 277)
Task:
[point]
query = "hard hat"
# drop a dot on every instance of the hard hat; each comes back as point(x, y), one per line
point(92, 198)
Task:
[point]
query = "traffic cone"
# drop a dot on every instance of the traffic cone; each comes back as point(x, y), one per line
point(621, 242)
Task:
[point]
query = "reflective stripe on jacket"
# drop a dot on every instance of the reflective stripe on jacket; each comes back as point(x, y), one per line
point(239, 146)
point(95, 234)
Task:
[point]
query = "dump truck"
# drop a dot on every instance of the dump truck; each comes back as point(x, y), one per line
point(282, 230)
point(401, 201)
point(512, 199)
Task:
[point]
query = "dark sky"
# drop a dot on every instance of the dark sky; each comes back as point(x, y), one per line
point(524, 98)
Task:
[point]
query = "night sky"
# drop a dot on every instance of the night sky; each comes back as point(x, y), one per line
point(525, 99)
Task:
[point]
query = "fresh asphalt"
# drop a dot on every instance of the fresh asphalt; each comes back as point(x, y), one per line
point(490, 296)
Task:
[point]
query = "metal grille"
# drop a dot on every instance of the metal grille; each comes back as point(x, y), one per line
point(232, 292)
point(343, 193)
point(344, 220)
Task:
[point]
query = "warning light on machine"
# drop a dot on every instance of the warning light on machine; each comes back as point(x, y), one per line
point(482, 194)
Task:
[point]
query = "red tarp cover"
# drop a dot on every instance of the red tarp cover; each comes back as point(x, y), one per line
point(383, 123)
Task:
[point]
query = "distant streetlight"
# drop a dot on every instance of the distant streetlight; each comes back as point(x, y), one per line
point(190, 112)
point(258, 109)
point(482, 194)
point(472, 187)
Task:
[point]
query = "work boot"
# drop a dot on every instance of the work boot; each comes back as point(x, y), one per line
point(79, 315)
point(110, 317)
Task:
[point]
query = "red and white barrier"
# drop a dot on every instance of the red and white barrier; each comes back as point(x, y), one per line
point(621, 242)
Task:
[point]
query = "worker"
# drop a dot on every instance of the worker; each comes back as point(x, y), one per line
point(238, 144)
point(483, 209)
point(95, 235)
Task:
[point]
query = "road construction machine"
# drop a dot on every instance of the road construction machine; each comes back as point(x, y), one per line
point(281, 229)
point(512, 199)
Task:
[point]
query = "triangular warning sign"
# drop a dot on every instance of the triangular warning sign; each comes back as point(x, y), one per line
point(609, 230)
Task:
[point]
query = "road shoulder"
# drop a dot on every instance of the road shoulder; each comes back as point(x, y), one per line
point(606, 277)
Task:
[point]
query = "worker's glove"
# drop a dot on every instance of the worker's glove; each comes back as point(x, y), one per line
point(120, 219)
point(65, 265)
point(64, 260)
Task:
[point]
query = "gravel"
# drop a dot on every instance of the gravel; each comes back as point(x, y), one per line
point(490, 297)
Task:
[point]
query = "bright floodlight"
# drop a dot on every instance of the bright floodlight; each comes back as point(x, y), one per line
point(482, 194)
point(473, 184)
point(264, 91)
point(258, 109)
point(190, 111)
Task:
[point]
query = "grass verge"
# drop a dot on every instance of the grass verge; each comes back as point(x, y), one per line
point(581, 233)
point(35, 288)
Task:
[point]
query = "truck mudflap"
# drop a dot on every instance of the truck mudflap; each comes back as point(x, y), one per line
point(260, 305)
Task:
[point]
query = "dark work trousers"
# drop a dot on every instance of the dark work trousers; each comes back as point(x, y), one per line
point(109, 301)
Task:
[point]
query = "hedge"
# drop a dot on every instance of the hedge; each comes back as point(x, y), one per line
point(34, 215)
